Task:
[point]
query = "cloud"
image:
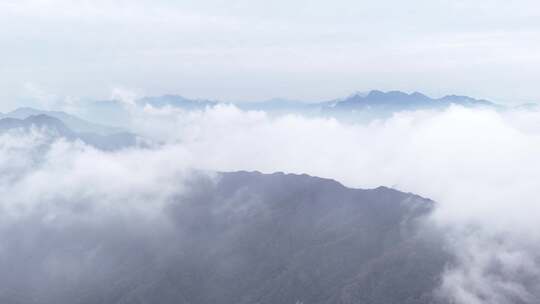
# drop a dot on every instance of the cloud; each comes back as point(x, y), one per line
point(479, 165)
point(124, 95)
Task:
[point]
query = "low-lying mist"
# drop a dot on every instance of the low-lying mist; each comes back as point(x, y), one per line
point(480, 167)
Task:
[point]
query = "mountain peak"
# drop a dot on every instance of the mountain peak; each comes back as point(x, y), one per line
point(398, 100)
point(43, 120)
point(375, 93)
point(40, 121)
point(418, 94)
point(394, 95)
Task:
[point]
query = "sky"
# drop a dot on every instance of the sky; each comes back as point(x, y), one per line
point(247, 50)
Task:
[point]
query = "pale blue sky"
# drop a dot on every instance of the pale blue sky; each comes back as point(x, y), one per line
point(253, 50)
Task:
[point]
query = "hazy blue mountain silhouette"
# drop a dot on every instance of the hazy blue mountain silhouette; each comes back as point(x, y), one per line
point(41, 121)
point(396, 100)
point(55, 128)
point(176, 101)
point(71, 121)
point(355, 108)
point(281, 106)
point(373, 103)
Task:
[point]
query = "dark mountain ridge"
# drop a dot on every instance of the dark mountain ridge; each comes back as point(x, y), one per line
point(238, 237)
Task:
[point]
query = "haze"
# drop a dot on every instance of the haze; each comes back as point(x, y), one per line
point(269, 152)
point(254, 50)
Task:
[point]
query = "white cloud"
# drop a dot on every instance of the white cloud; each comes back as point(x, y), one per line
point(479, 165)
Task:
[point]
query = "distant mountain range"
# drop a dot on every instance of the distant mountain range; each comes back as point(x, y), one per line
point(373, 103)
point(243, 237)
point(56, 128)
point(72, 122)
point(396, 100)
point(355, 108)
point(176, 101)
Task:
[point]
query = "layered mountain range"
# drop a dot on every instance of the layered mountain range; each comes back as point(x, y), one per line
point(104, 117)
point(73, 122)
point(56, 128)
point(373, 100)
point(236, 237)
point(107, 123)
point(355, 108)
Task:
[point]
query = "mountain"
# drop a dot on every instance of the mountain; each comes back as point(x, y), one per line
point(56, 128)
point(272, 106)
point(41, 121)
point(530, 106)
point(108, 112)
point(239, 237)
point(118, 113)
point(279, 106)
point(360, 105)
point(356, 108)
point(377, 104)
point(467, 101)
point(74, 123)
point(396, 101)
point(176, 101)
point(392, 101)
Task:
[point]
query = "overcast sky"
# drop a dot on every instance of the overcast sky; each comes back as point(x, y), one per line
point(243, 50)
